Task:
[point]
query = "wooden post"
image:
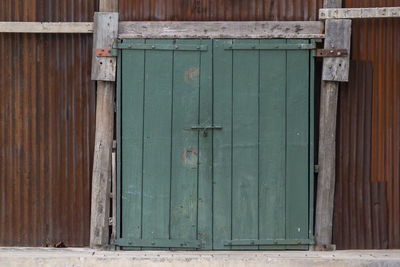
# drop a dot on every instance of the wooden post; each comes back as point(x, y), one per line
point(334, 70)
point(101, 180)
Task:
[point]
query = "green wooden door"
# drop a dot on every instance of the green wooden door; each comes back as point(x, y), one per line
point(214, 144)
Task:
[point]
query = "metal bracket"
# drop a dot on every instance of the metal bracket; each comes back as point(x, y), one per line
point(332, 53)
point(269, 46)
point(104, 52)
point(268, 242)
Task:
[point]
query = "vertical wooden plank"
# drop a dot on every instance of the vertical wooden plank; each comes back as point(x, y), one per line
point(105, 32)
point(102, 165)
point(157, 142)
point(297, 143)
point(100, 202)
point(132, 96)
point(337, 36)
point(205, 182)
point(222, 142)
point(332, 3)
point(245, 143)
point(185, 147)
point(108, 5)
point(326, 153)
point(272, 148)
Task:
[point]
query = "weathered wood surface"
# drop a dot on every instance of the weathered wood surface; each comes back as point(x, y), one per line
point(357, 13)
point(337, 36)
point(102, 165)
point(102, 162)
point(219, 29)
point(332, 3)
point(326, 153)
point(326, 161)
point(108, 5)
point(46, 27)
point(105, 32)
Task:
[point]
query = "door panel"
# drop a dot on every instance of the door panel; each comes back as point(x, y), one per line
point(245, 186)
point(222, 142)
point(272, 146)
point(297, 136)
point(132, 101)
point(185, 143)
point(244, 149)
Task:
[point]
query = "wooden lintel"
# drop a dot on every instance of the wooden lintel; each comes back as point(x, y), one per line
point(359, 13)
point(221, 29)
point(182, 29)
point(46, 27)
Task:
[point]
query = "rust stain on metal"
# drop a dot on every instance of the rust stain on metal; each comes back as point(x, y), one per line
point(191, 74)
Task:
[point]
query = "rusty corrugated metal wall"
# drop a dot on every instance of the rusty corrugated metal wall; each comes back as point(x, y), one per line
point(367, 204)
point(47, 118)
point(195, 10)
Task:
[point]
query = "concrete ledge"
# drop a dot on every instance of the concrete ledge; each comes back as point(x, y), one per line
point(86, 257)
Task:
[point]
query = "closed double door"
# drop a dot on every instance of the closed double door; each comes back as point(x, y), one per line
point(214, 144)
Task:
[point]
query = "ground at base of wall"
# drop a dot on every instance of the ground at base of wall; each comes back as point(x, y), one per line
point(87, 257)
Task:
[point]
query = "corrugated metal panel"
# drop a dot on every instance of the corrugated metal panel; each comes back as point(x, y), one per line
point(360, 217)
point(47, 115)
point(377, 41)
point(195, 10)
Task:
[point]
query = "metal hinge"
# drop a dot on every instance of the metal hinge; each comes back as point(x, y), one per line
point(331, 53)
point(104, 52)
point(316, 168)
point(110, 221)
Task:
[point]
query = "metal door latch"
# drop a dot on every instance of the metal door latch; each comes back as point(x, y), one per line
point(204, 129)
point(331, 53)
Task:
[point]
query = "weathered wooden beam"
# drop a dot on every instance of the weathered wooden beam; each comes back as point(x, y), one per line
point(337, 36)
point(359, 13)
point(326, 153)
point(221, 29)
point(46, 27)
point(102, 162)
point(106, 30)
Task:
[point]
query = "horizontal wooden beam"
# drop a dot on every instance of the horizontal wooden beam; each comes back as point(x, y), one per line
point(46, 27)
point(144, 29)
point(359, 13)
point(221, 29)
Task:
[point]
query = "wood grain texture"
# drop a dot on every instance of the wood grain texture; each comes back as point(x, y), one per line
point(358, 13)
point(46, 27)
point(108, 5)
point(221, 29)
point(326, 153)
point(105, 32)
point(337, 36)
point(332, 3)
point(102, 166)
point(326, 161)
